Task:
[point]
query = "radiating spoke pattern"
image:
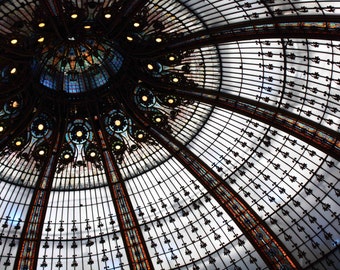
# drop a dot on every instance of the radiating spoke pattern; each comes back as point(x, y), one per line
point(30, 239)
point(169, 134)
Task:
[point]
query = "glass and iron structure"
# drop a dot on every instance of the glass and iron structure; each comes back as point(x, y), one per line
point(169, 134)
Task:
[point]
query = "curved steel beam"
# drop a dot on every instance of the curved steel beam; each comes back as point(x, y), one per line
point(28, 250)
point(134, 243)
point(269, 247)
point(308, 26)
point(321, 137)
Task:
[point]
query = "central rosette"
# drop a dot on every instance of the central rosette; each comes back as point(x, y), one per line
point(78, 66)
point(106, 83)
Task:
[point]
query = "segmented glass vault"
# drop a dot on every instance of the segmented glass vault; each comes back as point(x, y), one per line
point(177, 134)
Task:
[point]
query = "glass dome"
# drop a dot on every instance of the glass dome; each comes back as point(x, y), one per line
point(77, 66)
point(169, 134)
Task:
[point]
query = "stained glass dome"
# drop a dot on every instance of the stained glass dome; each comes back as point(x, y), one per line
point(169, 134)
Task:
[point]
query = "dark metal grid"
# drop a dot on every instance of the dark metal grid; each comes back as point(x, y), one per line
point(298, 9)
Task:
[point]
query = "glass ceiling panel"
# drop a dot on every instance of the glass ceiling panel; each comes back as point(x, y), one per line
point(14, 204)
point(81, 229)
point(183, 223)
point(175, 16)
point(17, 170)
point(190, 96)
point(78, 177)
point(229, 11)
point(302, 79)
point(281, 177)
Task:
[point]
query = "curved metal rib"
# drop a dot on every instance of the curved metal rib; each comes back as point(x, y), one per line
point(28, 251)
point(321, 137)
point(270, 248)
point(278, 27)
point(134, 243)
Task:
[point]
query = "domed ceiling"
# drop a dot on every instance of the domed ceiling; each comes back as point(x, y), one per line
point(169, 134)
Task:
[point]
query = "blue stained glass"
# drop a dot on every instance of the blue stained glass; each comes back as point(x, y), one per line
point(116, 62)
point(99, 79)
point(47, 81)
point(72, 53)
point(79, 69)
point(74, 84)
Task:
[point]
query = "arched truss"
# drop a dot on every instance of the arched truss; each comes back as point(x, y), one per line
point(176, 134)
